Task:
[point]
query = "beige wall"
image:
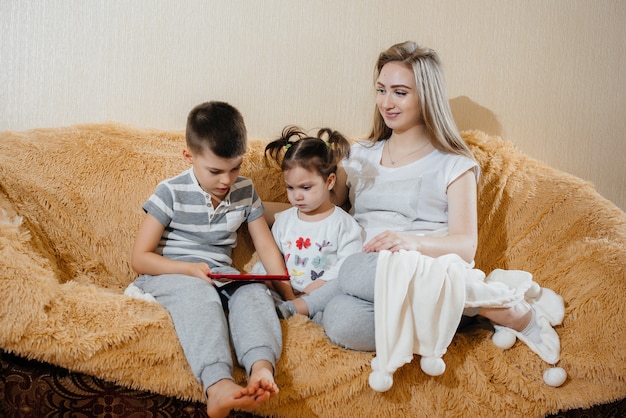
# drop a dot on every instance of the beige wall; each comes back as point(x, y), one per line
point(547, 75)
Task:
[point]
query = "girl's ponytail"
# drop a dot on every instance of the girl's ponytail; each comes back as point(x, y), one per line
point(338, 144)
point(321, 153)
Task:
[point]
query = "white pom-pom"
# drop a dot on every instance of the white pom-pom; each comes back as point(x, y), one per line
point(433, 366)
point(503, 338)
point(555, 376)
point(533, 291)
point(380, 382)
point(136, 293)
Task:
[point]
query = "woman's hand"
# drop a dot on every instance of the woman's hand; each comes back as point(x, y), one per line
point(392, 241)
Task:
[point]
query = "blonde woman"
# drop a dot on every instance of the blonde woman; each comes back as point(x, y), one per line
point(413, 187)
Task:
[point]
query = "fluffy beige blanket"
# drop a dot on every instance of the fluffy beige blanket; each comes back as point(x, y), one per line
point(70, 204)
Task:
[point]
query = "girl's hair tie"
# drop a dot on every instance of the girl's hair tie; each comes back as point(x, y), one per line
point(288, 145)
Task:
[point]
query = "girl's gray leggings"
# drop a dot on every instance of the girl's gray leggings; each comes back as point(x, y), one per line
point(345, 306)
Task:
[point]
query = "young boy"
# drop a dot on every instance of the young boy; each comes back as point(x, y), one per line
point(189, 231)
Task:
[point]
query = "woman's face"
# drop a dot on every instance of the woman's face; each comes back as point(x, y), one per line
point(396, 97)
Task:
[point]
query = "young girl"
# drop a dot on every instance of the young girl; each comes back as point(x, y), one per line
point(314, 235)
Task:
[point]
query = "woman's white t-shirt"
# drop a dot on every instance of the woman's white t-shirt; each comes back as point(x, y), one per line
point(410, 199)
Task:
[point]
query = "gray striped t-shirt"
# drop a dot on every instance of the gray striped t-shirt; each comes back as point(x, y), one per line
point(195, 231)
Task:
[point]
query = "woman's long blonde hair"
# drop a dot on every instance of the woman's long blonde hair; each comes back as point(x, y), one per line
point(431, 91)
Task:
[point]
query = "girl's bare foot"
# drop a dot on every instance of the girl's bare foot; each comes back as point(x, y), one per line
point(226, 395)
point(301, 306)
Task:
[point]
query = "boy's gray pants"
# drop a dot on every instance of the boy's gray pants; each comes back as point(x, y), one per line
point(203, 327)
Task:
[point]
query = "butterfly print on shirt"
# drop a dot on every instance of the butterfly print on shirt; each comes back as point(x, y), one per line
point(300, 261)
point(319, 262)
point(303, 243)
point(323, 245)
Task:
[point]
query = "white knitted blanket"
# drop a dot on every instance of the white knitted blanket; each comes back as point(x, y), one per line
point(419, 301)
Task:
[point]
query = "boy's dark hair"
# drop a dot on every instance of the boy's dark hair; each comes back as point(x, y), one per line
point(321, 153)
point(218, 127)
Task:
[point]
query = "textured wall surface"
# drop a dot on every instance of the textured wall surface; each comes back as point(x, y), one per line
point(546, 75)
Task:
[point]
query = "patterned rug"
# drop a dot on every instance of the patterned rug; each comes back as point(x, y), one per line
point(30, 389)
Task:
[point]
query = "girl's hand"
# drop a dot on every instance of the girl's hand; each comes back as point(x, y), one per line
point(391, 241)
point(313, 286)
point(201, 271)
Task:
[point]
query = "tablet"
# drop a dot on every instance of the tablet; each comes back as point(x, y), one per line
point(248, 276)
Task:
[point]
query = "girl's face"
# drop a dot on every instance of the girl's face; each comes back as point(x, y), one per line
point(396, 97)
point(215, 174)
point(308, 191)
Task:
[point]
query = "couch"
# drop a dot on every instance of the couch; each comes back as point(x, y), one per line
point(70, 205)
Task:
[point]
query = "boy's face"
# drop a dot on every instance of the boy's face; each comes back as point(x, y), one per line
point(215, 174)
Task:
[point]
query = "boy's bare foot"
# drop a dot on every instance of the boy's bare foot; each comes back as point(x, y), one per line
point(226, 395)
point(261, 382)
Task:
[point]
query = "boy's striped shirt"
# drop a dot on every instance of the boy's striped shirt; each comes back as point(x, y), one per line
point(194, 230)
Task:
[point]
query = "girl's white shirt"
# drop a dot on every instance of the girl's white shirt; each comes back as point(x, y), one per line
point(316, 250)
